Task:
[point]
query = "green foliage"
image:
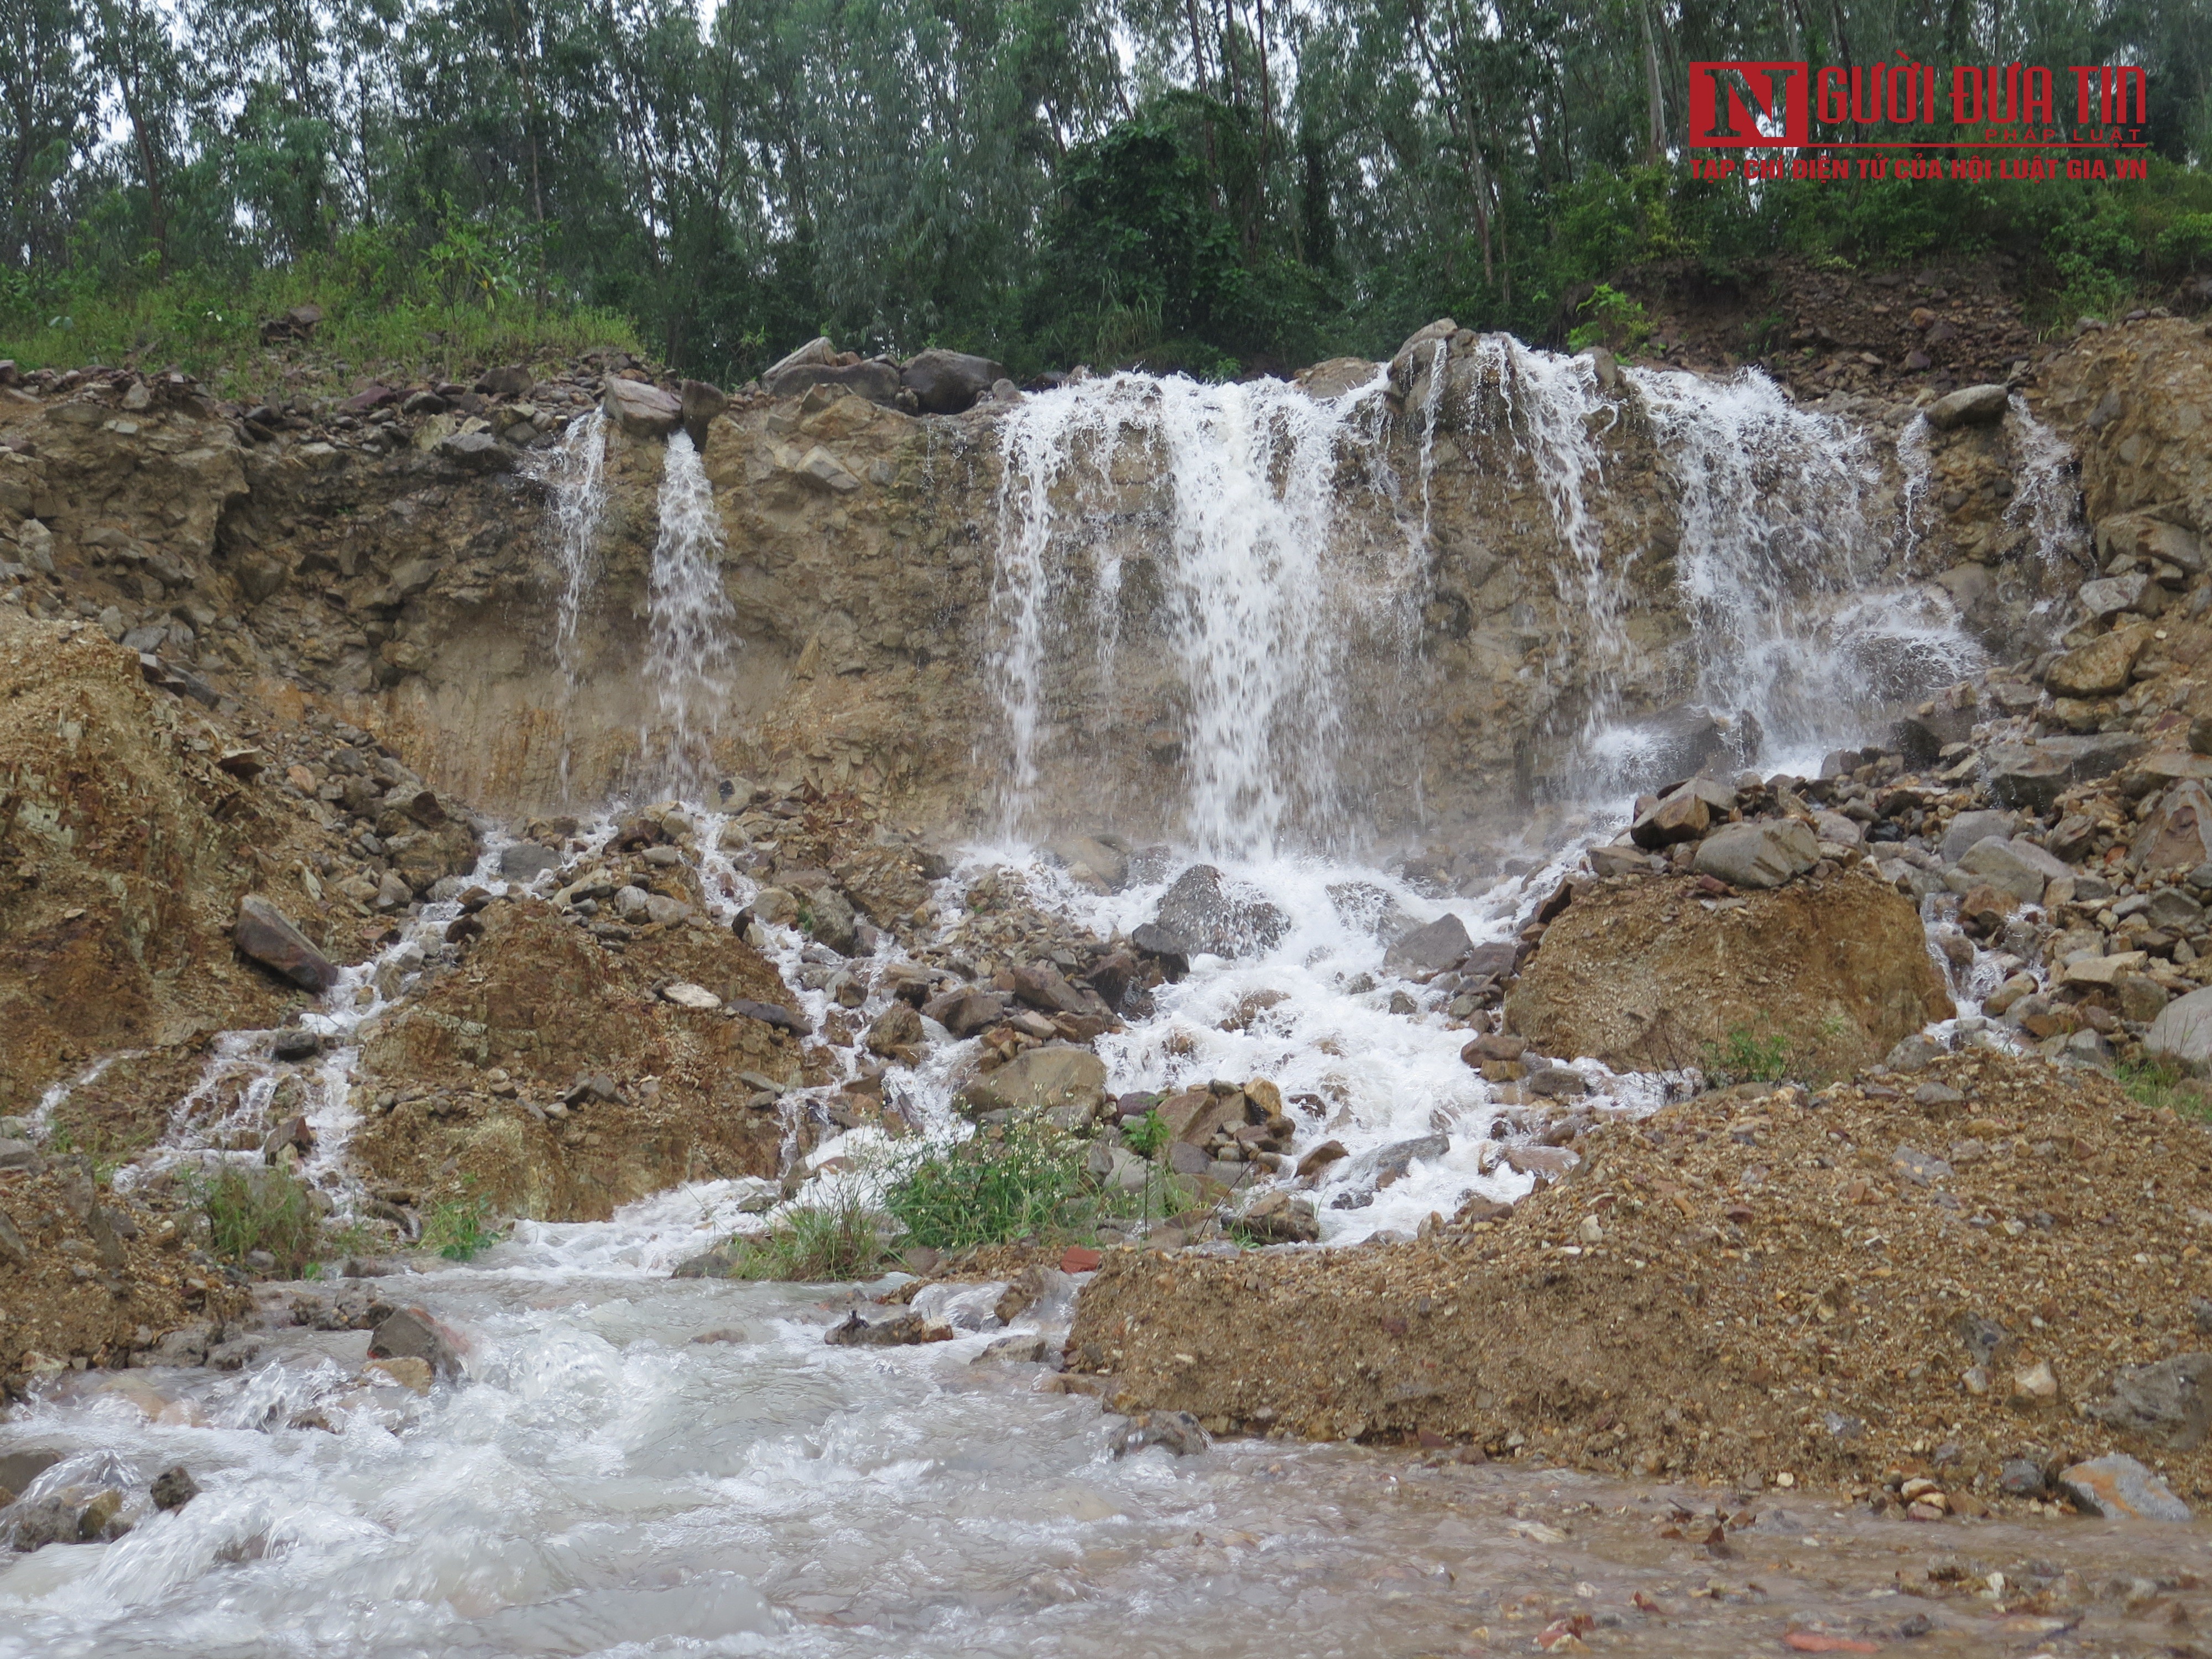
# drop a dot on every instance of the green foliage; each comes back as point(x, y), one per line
point(460, 1229)
point(838, 1239)
point(1219, 188)
point(982, 1191)
point(1615, 321)
point(1147, 1135)
point(260, 1209)
point(2158, 1083)
point(1749, 1056)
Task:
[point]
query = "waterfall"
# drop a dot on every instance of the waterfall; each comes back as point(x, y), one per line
point(1777, 566)
point(1256, 599)
point(574, 471)
point(690, 622)
point(2044, 499)
point(1915, 466)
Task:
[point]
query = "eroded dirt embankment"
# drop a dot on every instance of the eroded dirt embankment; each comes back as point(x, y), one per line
point(1936, 1279)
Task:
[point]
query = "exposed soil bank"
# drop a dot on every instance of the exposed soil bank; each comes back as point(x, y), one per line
point(1837, 1287)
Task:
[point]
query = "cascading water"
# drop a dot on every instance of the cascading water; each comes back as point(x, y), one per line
point(1780, 569)
point(641, 1465)
point(574, 472)
point(2044, 501)
point(1257, 594)
point(691, 625)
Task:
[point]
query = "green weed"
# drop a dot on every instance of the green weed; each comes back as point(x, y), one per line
point(1747, 1056)
point(459, 1229)
point(1146, 1135)
point(838, 1239)
point(260, 1209)
point(2160, 1083)
point(1030, 1184)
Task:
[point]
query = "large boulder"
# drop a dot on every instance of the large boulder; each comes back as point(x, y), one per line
point(1970, 405)
point(1206, 914)
point(2033, 775)
point(2169, 1402)
point(642, 410)
point(1764, 853)
point(875, 380)
point(702, 401)
point(2182, 1033)
point(1432, 949)
point(2178, 833)
point(266, 934)
point(1065, 1082)
point(2019, 867)
point(949, 382)
point(2101, 668)
point(1837, 971)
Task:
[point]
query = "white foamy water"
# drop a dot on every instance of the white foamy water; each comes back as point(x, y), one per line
point(575, 473)
point(2045, 500)
point(1255, 587)
point(691, 627)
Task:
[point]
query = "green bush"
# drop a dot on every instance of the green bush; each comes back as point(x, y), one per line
point(260, 1209)
point(459, 1229)
point(981, 1191)
point(1748, 1056)
point(819, 1243)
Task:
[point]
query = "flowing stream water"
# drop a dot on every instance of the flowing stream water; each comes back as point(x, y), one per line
point(640, 1466)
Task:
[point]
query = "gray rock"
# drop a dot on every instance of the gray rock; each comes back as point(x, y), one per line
point(526, 860)
point(875, 380)
point(879, 1328)
point(642, 410)
point(1203, 911)
point(700, 401)
point(1175, 1432)
point(1921, 1169)
point(1764, 854)
point(173, 1488)
point(1971, 405)
point(2168, 1403)
point(1281, 1218)
point(477, 452)
point(1109, 865)
point(966, 1011)
point(1052, 1079)
point(1019, 1350)
point(2170, 906)
point(412, 1333)
point(1377, 1167)
point(949, 382)
point(2023, 1478)
point(1968, 828)
point(2019, 867)
point(1432, 948)
point(2110, 595)
point(827, 917)
point(268, 937)
point(2117, 1486)
point(2033, 775)
point(2182, 1033)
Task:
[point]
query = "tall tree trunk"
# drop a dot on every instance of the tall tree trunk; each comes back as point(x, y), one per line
point(1654, 132)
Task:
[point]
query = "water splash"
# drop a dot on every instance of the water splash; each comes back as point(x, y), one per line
point(574, 471)
point(691, 635)
point(1255, 593)
point(1916, 465)
point(2044, 501)
point(1779, 569)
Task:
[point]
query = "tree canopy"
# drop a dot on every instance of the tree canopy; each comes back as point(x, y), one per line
point(1216, 185)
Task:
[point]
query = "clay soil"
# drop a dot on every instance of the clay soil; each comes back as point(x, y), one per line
point(1781, 1284)
point(540, 1000)
point(87, 1295)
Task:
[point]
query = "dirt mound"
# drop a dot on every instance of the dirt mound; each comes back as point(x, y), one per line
point(124, 849)
point(546, 1074)
point(1655, 973)
point(91, 1277)
point(1834, 1286)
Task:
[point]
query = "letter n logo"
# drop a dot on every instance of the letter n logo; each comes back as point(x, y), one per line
point(1741, 105)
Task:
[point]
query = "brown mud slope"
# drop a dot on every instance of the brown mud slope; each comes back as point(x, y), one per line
point(466, 1086)
point(124, 849)
point(1660, 974)
point(1834, 1286)
point(95, 1282)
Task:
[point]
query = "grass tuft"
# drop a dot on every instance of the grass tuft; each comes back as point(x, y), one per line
point(250, 1210)
point(819, 1243)
point(459, 1229)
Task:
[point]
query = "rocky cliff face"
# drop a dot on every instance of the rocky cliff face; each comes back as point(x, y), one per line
point(1508, 534)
